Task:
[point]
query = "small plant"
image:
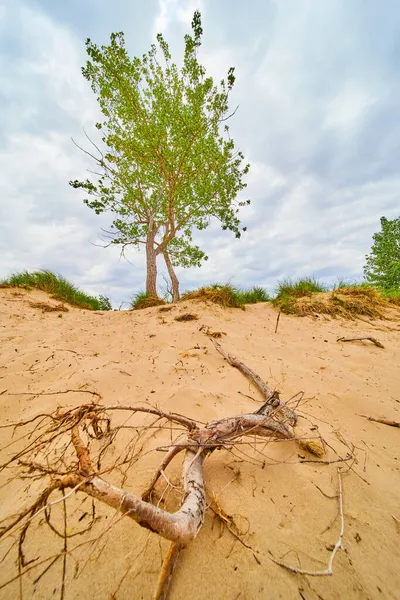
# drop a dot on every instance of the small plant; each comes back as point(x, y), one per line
point(143, 300)
point(289, 291)
point(226, 295)
point(342, 284)
point(105, 303)
point(57, 286)
point(254, 295)
point(187, 317)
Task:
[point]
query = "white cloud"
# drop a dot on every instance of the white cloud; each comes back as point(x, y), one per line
point(317, 120)
point(170, 10)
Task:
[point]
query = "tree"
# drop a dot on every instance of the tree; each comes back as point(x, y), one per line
point(170, 164)
point(383, 263)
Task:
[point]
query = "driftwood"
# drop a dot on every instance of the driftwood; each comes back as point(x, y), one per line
point(383, 421)
point(67, 449)
point(360, 338)
point(93, 420)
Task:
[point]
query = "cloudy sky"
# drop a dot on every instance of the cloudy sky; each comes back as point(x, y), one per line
point(318, 88)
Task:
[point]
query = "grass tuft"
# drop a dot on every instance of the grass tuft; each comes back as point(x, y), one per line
point(308, 297)
point(253, 295)
point(289, 291)
point(227, 295)
point(187, 317)
point(143, 300)
point(57, 287)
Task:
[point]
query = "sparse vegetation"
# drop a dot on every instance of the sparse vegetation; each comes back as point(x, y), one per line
point(58, 287)
point(289, 291)
point(228, 295)
point(187, 317)
point(49, 307)
point(254, 295)
point(308, 296)
point(143, 300)
point(105, 303)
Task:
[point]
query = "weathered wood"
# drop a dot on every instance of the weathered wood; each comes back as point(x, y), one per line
point(271, 397)
point(360, 338)
point(181, 526)
point(383, 421)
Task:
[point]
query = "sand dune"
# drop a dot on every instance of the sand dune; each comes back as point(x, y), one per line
point(278, 503)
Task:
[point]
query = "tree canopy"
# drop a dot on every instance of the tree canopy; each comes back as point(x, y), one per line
point(382, 266)
point(169, 164)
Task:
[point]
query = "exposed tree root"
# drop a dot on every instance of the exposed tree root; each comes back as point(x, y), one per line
point(383, 421)
point(271, 397)
point(67, 448)
point(167, 569)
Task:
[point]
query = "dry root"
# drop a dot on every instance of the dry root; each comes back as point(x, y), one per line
point(73, 452)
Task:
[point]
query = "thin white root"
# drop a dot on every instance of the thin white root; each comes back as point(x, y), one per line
point(329, 569)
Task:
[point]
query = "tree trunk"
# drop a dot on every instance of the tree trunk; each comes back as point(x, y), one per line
point(173, 277)
point(151, 263)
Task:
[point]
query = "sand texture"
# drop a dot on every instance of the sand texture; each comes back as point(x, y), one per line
point(277, 496)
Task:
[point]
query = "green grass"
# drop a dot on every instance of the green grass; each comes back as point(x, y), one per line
point(288, 291)
point(253, 295)
point(58, 288)
point(228, 295)
point(392, 296)
point(143, 300)
point(343, 284)
point(345, 298)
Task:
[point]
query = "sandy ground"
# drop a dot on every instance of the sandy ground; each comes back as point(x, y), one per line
point(279, 504)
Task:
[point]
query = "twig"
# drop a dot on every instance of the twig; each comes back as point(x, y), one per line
point(383, 421)
point(327, 462)
point(277, 321)
point(365, 337)
point(329, 569)
point(55, 393)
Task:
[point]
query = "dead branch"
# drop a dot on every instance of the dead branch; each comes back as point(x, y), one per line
point(383, 421)
point(339, 544)
point(356, 339)
point(277, 321)
point(67, 449)
point(328, 462)
point(271, 397)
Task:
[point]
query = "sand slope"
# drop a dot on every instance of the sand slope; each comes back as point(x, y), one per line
point(277, 502)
